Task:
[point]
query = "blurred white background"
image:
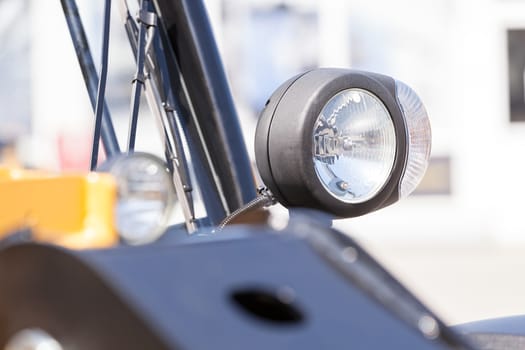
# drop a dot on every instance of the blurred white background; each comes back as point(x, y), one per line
point(459, 242)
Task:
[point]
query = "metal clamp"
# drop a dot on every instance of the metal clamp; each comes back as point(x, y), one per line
point(167, 107)
point(147, 18)
point(139, 77)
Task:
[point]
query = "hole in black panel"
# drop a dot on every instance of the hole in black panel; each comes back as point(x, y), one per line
point(274, 307)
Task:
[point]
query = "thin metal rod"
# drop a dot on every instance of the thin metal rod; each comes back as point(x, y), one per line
point(159, 94)
point(89, 73)
point(101, 85)
point(173, 111)
point(153, 96)
point(138, 81)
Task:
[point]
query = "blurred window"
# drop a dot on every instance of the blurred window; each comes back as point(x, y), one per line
point(516, 80)
point(437, 178)
point(15, 115)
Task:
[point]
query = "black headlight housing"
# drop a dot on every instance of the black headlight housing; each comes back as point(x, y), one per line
point(284, 142)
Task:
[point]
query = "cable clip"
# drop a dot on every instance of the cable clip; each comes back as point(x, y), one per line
point(140, 78)
point(167, 107)
point(147, 18)
point(263, 191)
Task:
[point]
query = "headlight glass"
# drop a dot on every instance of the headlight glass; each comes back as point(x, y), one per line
point(33, 338)
point(145, 197)
point(354, 145)
point(419, 138)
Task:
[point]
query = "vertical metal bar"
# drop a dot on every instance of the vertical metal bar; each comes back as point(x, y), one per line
point(89, 73)
point(138, 80)
point(160, 73)
point(101, 84)
point(212, 120)
point(159, 95)
point(173, 111)
point(153, 95)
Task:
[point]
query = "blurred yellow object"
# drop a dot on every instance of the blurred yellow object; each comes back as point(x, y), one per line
point(75, 211)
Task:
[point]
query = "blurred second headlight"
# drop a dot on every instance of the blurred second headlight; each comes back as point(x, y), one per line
point(145, 197)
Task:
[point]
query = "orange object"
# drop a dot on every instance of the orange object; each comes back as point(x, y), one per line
point(75, 211)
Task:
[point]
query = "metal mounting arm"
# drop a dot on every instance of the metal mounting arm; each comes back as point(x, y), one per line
point(89, 73)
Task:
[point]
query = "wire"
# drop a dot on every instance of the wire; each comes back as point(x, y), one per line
point(265, 199)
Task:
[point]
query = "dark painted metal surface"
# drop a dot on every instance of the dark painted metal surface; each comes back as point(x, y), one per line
point(508, 325)
point(89, 73)
point(247, 289)
point(506, 333)
point(51, 289)
point(196, 296)
point(190, 37)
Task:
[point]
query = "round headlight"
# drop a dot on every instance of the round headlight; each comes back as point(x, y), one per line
point(344, 141)
point(145, 196)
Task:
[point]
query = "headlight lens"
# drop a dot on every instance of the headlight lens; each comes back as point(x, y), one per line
point(32, 338)
point(145, 197)
point(354, 145)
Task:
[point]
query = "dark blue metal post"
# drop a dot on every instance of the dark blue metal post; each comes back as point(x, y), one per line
point(138, 80)
point(101, 84)
point(89, 73)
